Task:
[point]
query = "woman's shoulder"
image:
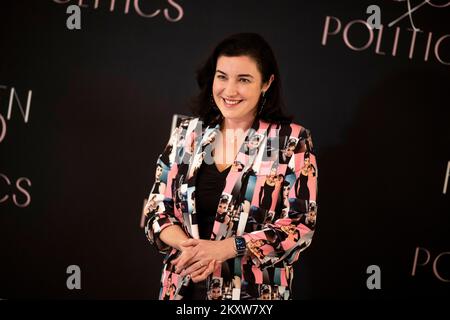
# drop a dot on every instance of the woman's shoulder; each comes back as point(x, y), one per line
point(300, 134)
point(293, 126)
point(186, 123)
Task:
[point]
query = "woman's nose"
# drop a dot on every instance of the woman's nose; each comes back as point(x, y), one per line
point(230, 89)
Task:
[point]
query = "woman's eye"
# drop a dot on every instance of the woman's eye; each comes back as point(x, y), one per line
point(221, 77)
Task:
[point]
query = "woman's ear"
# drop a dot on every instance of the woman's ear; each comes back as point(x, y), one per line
point(266, 85)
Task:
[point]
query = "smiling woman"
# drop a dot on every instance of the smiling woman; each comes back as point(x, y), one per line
point(237, 94)
point(228, 227)
point(243, 63)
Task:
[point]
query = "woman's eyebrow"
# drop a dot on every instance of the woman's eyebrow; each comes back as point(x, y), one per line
point(239, 75)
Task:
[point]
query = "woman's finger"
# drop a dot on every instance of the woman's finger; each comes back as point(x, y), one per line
point(185, 244)
point(198, 271)
point(174, 261)
point(193, 267)
point(181, 256)
point(185, 259)
point(205, 273)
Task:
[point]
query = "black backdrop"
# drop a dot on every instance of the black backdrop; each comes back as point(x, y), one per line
point(76, 169)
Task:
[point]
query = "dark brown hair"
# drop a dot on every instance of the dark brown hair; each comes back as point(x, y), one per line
point(240, 44)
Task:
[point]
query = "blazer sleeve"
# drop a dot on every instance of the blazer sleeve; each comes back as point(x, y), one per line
point(285, 238)
point(159, 209)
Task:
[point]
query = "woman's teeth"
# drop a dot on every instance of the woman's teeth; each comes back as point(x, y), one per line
point(231, 102)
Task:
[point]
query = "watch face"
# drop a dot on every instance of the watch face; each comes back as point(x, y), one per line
point(240, 243)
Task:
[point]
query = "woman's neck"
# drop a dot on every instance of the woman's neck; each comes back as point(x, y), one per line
point(231, 124)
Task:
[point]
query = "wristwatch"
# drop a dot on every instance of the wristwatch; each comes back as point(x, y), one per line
point(240, 246)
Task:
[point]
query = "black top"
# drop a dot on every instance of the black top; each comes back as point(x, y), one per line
point(210, 183)
point(209, 186)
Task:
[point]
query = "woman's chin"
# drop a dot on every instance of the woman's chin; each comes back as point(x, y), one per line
point(230, 114)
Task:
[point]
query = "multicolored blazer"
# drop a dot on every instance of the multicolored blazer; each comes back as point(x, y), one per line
point(270, 196)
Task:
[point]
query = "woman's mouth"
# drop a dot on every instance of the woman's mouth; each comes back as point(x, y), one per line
point(231, 103)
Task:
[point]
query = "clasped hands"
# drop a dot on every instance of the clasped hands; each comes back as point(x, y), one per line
point(199, 258)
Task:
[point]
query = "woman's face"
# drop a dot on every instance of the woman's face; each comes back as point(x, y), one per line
point(289, 151)
point(307, 162)
point(238, 81)
point(253, 143)
point(265, 296)
point(215, 293)
point(311, 216)
point(158, 172)
point(286, 190)
point(222, 208)
point(273, 172)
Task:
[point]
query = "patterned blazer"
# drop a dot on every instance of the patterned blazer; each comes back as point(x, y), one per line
point(270, 194)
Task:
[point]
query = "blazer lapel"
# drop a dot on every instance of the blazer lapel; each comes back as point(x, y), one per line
point(244, 160)
point(201, 146)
